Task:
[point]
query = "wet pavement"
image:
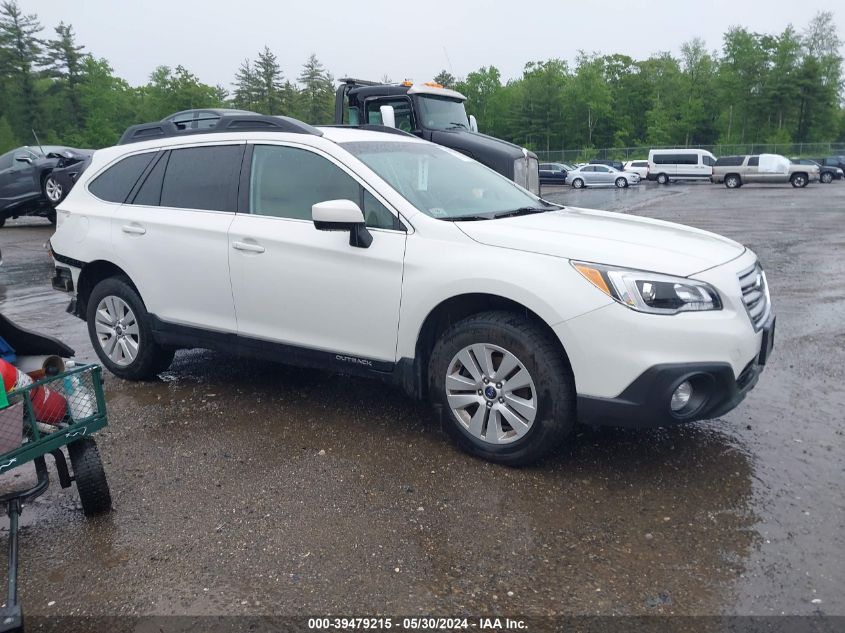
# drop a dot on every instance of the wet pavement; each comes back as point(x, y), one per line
point(243, 487)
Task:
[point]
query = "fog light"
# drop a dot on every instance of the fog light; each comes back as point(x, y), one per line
point(682, 396)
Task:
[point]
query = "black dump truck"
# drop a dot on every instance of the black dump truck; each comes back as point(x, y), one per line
point(436, 114)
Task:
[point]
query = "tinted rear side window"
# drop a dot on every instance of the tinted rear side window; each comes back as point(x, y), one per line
point(114, 184)
point(203, 178)
point(729, 161)
point(754, 161)
point(150, 192)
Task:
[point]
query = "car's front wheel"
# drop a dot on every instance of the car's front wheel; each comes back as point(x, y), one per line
point(120, 331)
point(663, 179)
point(578, 183)
point(826, 177)
point(503, 387)
point(621, 182)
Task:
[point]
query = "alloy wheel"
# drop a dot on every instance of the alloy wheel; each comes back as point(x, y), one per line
point(491, 393)
point(117, 330)
point(53, 190)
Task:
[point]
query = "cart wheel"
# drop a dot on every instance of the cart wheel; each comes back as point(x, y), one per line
point(89, 476)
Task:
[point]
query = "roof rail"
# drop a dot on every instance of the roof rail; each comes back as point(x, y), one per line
point(226, 123)
point(374, 128)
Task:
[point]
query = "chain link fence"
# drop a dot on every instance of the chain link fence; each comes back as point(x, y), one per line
point(804, 150)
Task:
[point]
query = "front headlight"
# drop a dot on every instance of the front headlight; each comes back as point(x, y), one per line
point(651, 292)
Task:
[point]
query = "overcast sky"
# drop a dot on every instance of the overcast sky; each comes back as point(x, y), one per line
point(401, 39)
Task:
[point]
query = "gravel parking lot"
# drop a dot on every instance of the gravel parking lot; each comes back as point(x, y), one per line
point(244, 487)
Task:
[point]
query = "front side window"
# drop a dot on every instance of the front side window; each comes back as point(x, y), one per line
point(754, 161)
point(286, 182)
point(401, 112)
point(115, 184)
point(708, 160)
point(203, 178)
point(440, 182)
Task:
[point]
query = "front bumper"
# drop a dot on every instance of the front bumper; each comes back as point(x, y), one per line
point(646, 401)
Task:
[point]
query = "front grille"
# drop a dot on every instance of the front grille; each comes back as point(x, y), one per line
point(755, 295)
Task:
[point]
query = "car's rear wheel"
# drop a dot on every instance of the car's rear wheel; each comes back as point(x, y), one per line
point(663, 179)
point(52, 190)
point(503, 387)
point(732, 181)
point(621, 182)
point(798, 180)
point(578, 183)
point(826, 177)
point(120, 331)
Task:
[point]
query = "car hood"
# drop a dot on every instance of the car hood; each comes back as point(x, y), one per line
point(608, 238)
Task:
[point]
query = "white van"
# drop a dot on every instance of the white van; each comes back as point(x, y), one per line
point(680, 164)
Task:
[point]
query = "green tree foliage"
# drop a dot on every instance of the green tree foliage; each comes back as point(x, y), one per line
point(21, 55)
point(445, 79)
point(756, 88)
point(316, 97)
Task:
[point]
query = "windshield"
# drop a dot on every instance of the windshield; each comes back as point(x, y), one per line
point(441, 182)
point(440, 113)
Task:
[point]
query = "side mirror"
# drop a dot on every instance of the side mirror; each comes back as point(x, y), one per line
point(388, 116)
point(23, 158)
point(342, 215)
point(473, 123)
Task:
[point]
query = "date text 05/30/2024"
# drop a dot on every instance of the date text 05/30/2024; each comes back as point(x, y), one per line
point(418, 624)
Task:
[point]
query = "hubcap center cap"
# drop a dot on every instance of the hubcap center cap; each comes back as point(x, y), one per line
point(490, 392)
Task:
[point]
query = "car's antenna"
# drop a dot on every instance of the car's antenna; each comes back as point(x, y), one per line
point(37, 142)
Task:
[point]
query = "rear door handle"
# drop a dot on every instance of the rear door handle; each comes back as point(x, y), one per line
point(246, 246)
point(133, 229)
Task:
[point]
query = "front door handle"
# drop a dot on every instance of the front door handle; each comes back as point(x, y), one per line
point(246, 246)
point(133, 229)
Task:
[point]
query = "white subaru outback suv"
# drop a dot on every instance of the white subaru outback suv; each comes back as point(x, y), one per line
point(383, 255)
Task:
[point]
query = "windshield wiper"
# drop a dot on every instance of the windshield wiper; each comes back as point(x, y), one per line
point(523, 211)
point(466, 218)
point(454, 124)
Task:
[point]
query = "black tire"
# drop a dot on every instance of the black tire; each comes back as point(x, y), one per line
point(733, 181)
point(578, 183)
point(151, 358)
point(799, 181)
point(621, 182)
point(662, 179)
point(540, 354)
point(826, 177)
point(90, 477)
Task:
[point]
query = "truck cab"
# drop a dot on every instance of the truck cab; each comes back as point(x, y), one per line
point(436, 114)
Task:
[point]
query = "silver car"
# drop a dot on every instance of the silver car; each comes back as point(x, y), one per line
point(601, 176)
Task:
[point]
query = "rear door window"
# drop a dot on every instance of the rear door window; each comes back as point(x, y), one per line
point(115, 184)
point(203, 178)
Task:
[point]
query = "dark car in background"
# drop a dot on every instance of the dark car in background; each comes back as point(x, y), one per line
point(827, 173)
point(831, 161)
point(616, 164)
point(26, 186)
point(553, 173)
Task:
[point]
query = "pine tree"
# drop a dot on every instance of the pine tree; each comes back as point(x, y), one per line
point(317, 94)
point(245, 87)
point(270, 88)
point(22, 55)
point(7, 136)
point(65, 63)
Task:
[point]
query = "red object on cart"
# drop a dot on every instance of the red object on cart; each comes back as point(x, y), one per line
point(47, 405)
